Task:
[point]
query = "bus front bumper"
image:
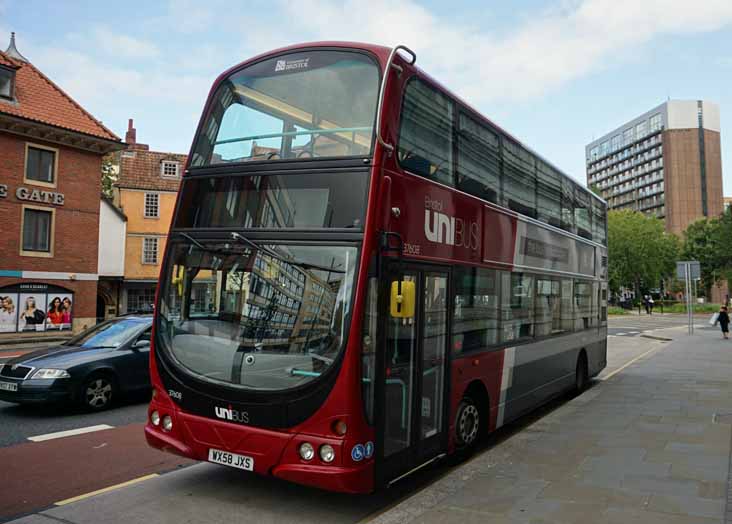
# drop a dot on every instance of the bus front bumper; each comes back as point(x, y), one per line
point(274, 453)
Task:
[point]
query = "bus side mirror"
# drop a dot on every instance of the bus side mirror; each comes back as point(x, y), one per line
point(402, 305)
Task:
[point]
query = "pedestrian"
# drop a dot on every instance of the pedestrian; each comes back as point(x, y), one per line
point(723, 320)
point(651, 303)
point(647, 304)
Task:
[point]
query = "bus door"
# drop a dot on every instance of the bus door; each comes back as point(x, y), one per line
point(412, 400)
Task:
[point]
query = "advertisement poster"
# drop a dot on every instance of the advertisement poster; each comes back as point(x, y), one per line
point(8, 312)
point(32, 312)
point(59, 311)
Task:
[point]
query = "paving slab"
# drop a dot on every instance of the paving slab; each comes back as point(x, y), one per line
point(643, 446)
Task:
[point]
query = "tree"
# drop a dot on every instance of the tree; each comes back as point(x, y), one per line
point(700, 243)
point(110, 171)
point(640, 251)
point(710, 242)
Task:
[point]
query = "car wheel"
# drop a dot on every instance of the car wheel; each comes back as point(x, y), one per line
point(98, 392)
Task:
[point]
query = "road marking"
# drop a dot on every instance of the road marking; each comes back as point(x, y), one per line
point(621, 368)
point(621, 334)
point(70, 432)
point(105, 490)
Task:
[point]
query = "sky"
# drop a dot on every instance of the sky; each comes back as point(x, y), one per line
point(554, 73)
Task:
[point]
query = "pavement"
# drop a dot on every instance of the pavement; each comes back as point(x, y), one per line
point(648, 442)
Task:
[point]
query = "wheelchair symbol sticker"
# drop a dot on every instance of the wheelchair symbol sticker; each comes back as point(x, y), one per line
point(358, 452)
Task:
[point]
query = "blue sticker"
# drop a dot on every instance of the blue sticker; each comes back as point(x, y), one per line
point(369, 449)
point(358, 452)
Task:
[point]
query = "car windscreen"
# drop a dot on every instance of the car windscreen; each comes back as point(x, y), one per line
point(111, 334)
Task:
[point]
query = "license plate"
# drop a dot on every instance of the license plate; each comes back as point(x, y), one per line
point(9, 386)
point(231, 459)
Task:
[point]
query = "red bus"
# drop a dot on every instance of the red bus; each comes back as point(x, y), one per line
point(363, 274)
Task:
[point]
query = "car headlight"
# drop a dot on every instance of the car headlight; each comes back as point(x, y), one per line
point(50, 373)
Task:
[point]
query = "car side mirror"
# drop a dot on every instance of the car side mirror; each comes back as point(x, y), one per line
point(141, 344)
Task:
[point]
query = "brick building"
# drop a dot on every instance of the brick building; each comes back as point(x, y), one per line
point(145, 192)
point(667, 163)
point(50, 156)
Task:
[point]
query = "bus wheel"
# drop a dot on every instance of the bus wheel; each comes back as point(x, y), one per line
point(581, 374)
point(467, 424)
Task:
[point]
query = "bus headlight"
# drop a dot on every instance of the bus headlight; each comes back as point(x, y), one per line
point(155, 418)
point(307, 452)
point(167, 423)
point(327, 453)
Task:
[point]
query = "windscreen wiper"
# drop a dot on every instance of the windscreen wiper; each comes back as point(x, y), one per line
point(274, 254)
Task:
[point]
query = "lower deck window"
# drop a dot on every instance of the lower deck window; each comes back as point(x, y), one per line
point(493, 307)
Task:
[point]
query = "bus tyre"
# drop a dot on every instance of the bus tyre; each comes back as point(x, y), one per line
point(467, 424)
point(97, 392)
point(581, 375)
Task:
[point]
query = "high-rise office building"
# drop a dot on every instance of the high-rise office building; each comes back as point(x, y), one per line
point(666, 162)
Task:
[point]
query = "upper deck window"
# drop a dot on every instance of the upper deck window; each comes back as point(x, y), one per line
point(305, 104)
point(425, 135)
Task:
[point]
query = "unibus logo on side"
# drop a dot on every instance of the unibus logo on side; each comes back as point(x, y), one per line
point(445, 229)
point(232, 414)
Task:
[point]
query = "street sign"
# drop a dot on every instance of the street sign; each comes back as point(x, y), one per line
point(690, 271)
point(694, 269)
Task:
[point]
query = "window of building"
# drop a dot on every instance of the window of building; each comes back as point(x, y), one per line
point(40, 165)
point(617, 142)
point(425, 135)
point(37, 229)
point(656, 122)
point(169, 169)
point(476, 324)
point(7, 82)
point(140, 300)
point(517, 306)
point(628, 136)
point(641, 129)
point(152, 205)
point(479, 160)
point(150, 250)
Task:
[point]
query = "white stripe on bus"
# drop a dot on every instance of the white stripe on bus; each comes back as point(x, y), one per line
point(509, 357)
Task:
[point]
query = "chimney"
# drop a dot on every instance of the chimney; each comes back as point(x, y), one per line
point(131, 135)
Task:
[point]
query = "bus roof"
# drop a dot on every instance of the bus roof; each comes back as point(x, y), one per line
point(382, 54)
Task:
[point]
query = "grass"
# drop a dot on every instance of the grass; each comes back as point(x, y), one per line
point(614, 310)
point(681, 308)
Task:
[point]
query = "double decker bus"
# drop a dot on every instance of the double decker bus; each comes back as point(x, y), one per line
point(363, 274)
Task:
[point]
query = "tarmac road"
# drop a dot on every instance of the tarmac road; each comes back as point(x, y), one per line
point(45, 474)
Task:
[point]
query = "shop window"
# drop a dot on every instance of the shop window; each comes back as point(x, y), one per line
point(35, 307)
point(40, 165)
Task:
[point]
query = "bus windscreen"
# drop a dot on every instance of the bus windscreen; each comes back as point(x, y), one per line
point(308, 104)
